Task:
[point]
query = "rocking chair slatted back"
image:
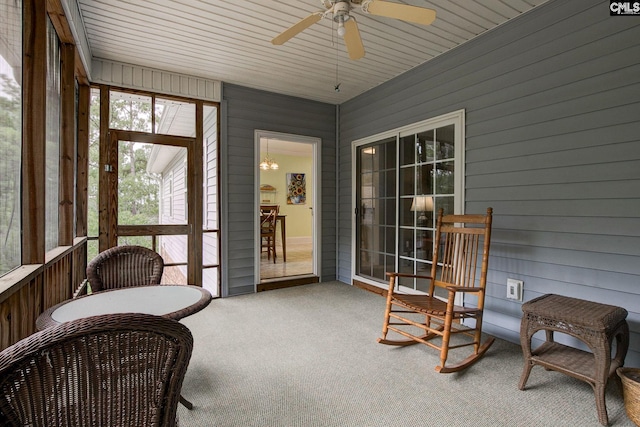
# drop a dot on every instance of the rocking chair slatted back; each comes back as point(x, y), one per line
point(457, 261)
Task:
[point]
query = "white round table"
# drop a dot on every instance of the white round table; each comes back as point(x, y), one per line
point(172, 301)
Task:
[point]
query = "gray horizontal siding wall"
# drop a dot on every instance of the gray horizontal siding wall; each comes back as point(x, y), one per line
point(552, 103)
point(245, 110)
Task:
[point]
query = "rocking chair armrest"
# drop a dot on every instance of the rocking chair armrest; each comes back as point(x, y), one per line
point(463, 289)
point(393, 275)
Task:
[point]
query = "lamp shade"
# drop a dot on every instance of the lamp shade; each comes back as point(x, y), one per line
point(422, 204)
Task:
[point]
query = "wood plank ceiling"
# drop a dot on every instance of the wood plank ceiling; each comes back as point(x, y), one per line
point(230, 40)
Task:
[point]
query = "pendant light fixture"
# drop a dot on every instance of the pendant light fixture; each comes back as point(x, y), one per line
point(268, 162)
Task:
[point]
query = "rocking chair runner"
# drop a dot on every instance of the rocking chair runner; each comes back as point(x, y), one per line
point(460, 242)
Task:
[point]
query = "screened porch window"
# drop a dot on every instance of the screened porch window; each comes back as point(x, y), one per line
point(10, 132)
point(52, 154)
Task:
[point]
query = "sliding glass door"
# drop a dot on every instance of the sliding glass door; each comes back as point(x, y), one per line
point(402, 179)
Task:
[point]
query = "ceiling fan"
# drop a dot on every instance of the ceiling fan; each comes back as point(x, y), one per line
point(339, 11)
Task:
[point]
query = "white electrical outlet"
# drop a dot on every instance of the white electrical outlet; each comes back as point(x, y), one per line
point(514, 289)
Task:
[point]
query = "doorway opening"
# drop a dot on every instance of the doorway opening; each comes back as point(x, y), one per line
point(287, 183)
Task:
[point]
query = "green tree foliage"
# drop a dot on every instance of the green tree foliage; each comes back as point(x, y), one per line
point(138, 190)
point(94, 167)
point(10, 149)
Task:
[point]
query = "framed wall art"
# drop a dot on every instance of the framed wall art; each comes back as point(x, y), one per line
point(296, 189)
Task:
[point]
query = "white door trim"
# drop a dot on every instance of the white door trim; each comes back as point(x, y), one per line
point(315, 202)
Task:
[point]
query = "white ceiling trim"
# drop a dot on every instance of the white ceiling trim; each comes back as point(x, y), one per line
point(74, 17)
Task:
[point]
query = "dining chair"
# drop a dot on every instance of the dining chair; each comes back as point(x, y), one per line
point(124, 266)
point(117, 370)
point(268, 220)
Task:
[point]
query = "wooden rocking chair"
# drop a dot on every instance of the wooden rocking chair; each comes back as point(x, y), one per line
point(460, 242)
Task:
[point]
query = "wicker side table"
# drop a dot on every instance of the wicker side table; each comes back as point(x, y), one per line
point(597, 325)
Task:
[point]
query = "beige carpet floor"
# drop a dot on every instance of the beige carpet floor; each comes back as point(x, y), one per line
point(308, 356)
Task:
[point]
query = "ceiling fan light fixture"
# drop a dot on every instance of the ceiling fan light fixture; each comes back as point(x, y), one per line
point(341, 30)
point(340, 11)
point(341, 15)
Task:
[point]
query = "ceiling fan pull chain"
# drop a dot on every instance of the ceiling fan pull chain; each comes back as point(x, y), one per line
point(336, 88)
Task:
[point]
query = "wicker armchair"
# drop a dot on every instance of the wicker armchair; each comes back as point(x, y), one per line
point(124, 266)
point(110, 370)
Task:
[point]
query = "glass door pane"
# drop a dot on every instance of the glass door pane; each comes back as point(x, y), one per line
point(427, 173)
point(376, 209)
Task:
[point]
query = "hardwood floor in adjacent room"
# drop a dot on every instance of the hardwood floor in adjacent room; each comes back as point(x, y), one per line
point(299, 260)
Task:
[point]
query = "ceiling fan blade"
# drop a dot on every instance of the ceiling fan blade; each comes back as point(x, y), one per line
point(353, 40)
point(297, 28)
point(405, 12)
